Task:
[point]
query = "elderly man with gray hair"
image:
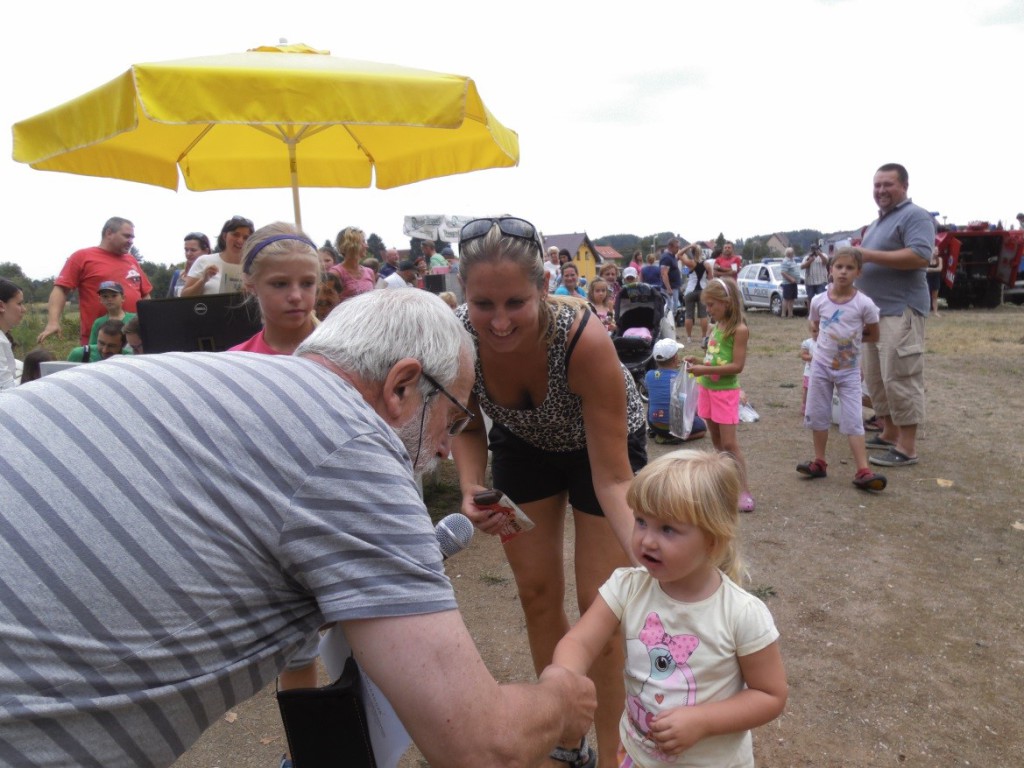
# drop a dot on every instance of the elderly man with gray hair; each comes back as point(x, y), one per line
point(255, 499)
point(790, 270)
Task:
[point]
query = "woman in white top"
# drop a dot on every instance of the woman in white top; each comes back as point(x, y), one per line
point(12, 310)
point(221, 272)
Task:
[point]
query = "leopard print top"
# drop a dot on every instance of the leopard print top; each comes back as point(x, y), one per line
point(557, 423)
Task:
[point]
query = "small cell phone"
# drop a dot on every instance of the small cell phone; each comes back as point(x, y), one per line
point(483, 498)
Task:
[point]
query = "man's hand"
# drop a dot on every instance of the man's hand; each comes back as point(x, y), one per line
point(50, 329)
point(579, 691)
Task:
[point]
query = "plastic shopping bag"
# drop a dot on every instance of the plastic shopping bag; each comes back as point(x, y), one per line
point(683, 406)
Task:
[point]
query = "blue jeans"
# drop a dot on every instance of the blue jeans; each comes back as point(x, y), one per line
point(814, 289)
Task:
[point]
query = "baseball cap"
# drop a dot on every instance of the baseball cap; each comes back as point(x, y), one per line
point(666, 349)
point(406, 266)
point(629, 272)
point(111, 285)
point(447, 251)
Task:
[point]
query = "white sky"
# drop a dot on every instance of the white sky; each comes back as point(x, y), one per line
point(741, 117)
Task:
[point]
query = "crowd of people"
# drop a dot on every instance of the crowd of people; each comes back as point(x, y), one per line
point(210, 566)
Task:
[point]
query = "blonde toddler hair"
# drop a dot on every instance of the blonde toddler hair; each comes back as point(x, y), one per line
point(699, 488)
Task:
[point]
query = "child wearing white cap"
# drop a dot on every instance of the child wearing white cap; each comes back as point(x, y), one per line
point(659, 393)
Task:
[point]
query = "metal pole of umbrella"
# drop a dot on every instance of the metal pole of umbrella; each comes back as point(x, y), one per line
point(295, 181)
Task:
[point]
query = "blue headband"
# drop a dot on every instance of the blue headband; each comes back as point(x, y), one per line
point(256, 249)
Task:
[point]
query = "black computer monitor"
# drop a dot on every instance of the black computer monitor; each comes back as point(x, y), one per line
point(211, 323)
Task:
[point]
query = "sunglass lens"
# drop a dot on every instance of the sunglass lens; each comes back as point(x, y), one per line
point(517, 228)
point(476, 228)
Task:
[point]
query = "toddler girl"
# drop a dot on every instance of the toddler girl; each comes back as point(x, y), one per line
point(703, 664)
point(718, 393)
point(281, 269)
point(806, 354)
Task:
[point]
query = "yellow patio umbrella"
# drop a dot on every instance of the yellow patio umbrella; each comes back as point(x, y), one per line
point(276, 116)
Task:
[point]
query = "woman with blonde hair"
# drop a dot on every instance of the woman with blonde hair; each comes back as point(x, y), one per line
point(568, 427)
point(355, 278)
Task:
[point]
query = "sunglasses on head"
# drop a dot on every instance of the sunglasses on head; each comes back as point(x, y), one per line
point(509, 226)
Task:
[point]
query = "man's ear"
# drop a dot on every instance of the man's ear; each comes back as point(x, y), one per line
point(400, 391)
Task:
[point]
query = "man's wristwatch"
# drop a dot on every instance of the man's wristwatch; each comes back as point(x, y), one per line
point(580, 757)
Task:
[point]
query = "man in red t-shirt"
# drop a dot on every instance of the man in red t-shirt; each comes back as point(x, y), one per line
point(728, 264)
point(86, 269)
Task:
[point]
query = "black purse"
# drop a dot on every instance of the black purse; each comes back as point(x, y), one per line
point(327, 727)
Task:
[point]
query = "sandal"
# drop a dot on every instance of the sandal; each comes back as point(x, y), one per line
point(813, 468)
point(867, 480)
point(581, 757)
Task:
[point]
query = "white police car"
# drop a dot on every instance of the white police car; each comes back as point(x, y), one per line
point(761, 287)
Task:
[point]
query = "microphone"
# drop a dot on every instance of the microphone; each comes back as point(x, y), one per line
point(453, 534)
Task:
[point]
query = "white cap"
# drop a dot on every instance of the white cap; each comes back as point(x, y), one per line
point(629, 272)
point(666, 349)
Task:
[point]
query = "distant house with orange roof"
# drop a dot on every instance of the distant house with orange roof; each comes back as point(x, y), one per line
point(607, 253)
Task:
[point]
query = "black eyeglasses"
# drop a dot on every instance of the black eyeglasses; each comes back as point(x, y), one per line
point(510, 226)
point(460, 423)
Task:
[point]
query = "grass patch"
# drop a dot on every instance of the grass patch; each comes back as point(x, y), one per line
point(763, 593)
point(32, 325)
point(493, 580)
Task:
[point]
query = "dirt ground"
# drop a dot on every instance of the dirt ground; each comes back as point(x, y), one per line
point(901, 612)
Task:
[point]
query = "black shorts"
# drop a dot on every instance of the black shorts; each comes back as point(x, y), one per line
point(934, 279)
point(525, 474)
point(789, 291)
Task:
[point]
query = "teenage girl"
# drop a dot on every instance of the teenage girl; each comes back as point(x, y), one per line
point(718, 396)
point(703, 664)
point(600, 297)
point(281, 269)
point(12, 310)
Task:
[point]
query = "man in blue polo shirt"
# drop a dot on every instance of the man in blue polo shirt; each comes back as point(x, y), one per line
point(897, 248)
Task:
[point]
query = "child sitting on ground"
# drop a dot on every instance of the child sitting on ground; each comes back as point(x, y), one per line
point(841, 318)
point(659, 394)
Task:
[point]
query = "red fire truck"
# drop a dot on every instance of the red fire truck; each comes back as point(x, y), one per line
point(981, 265)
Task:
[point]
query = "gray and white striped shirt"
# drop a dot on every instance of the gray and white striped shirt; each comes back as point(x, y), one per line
point(173, 528)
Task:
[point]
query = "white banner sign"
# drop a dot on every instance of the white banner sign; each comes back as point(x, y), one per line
point(435, 227)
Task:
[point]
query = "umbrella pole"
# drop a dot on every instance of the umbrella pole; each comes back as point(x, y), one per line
point(295, 183)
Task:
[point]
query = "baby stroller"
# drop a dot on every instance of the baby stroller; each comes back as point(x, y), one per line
point(639, 310)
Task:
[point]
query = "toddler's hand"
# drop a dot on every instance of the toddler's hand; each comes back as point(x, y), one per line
point(676, 730)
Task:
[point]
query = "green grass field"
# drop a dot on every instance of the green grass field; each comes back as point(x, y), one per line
point(30, 328)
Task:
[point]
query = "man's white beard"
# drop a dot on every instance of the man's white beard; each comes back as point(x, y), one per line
point(409, 433)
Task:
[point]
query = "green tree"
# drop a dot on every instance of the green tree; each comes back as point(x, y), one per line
point(159, 275)
point(375, 246)
point(11, 271)
point(755, 249)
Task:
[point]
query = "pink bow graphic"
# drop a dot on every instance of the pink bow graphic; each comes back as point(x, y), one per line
point(681, 646)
